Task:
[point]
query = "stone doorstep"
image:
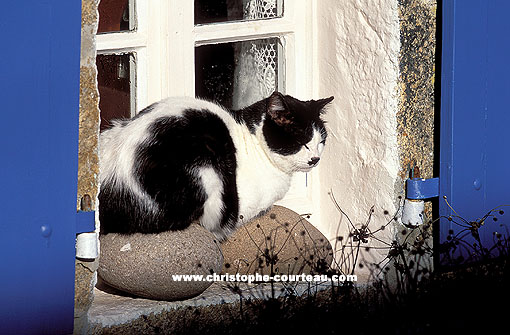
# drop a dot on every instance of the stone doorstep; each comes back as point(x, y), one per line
point(110, 309)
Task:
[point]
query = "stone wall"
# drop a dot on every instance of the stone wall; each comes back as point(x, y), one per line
point(416, 112)
point(88, 167)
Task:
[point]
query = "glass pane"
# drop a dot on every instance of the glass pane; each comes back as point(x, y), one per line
point(116, 83)
point(116, 15)
point(207, 11)
point(240, 73)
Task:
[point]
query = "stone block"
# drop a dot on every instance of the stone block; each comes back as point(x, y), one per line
point(280, 241)
point(143, 264)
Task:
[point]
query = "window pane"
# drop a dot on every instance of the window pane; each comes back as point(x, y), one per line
point(116, 15)
point(240, 73)
point(207, 11)
point(116, 83)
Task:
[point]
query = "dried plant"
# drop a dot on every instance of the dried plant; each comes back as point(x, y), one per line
point(401, 282)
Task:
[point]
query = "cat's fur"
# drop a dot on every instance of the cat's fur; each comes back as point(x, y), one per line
point(185, 159)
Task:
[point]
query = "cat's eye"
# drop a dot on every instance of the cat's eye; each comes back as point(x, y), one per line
point(320, 146)
point(306, 146)
point(235, 52)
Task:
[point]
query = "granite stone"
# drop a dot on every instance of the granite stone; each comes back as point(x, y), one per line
point(143, 264)
point(280, 241)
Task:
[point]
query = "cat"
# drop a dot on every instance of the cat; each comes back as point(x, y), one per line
point(184, 159)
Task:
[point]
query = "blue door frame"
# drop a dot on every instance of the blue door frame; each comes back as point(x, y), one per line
point(475, 127)
point(39, 85)
point(39, 71)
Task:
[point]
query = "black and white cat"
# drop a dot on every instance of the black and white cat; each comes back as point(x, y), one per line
point(185, 159)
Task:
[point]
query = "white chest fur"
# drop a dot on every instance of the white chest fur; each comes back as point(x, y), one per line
point(259, 182)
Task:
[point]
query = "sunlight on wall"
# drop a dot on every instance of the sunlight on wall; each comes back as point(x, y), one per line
point(358, 49)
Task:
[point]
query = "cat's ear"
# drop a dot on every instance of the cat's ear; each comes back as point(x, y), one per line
point(278, 110)
point(320, 104)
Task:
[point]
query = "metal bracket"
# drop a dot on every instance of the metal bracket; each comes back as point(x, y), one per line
point(419, 189)
point(85, 217)
point(85, 222)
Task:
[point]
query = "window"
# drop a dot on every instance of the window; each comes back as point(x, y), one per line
point(121, 58)
point(237, 74)
point(232, 51)
point(116, 16)
point(207, 11)
point(116, 81)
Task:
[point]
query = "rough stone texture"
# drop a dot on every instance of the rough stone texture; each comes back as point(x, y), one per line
point(358, 48)
point(88, 159)
point(416, 113)
point(83, 293)
point(280, 241)
point(417, 79)
point(88, 165)
point(143, 264)
point(219, 307)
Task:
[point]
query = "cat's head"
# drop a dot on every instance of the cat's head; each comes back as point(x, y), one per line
point(294, 131)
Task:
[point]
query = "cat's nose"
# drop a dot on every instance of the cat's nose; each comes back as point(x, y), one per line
point(313, 160)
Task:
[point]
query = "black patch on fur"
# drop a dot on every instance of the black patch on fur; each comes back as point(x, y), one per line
point(250, 116)
point(303, 117)
point(119, 209)
point(287, 140)
point(165, 166)
point(167, 160)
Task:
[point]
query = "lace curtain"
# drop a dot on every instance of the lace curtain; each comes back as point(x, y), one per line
point(256, 69)
point(260, 9)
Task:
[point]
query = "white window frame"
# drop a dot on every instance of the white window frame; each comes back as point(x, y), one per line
point(164, 46)
point(136, 43)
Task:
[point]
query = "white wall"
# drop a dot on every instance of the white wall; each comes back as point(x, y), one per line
point(357, 52)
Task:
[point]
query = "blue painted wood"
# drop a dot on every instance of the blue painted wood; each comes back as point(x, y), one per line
point(475, 119)
point(39, 85)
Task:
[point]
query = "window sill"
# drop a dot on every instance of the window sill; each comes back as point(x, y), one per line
point(128, 313)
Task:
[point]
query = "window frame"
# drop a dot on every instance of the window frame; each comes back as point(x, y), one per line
point(136, 43)
point(164, 43)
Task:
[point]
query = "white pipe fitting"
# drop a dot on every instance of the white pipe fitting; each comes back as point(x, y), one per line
point(86, 246)
point(413, 212)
